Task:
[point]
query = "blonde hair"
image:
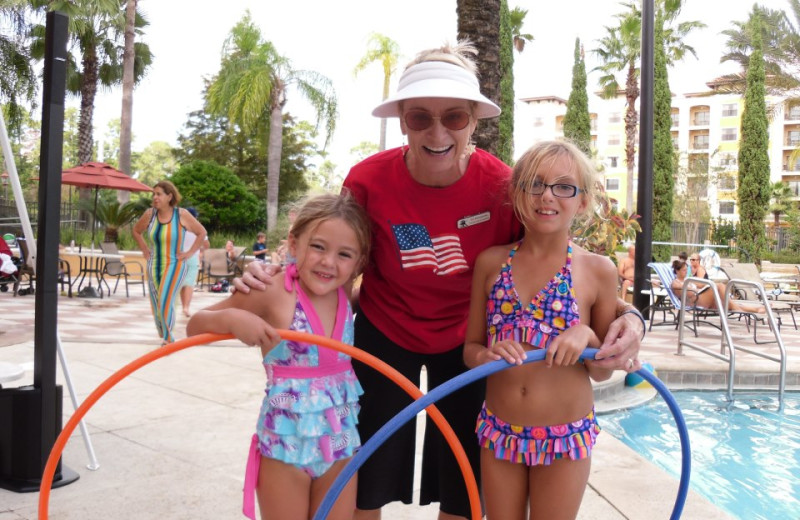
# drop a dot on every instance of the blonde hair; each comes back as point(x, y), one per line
point(547, 152)
point(170, 189)
point(458, 54)
point(316, 210)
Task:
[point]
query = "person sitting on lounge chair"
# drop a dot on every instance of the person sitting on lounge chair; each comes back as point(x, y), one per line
point(700, 296)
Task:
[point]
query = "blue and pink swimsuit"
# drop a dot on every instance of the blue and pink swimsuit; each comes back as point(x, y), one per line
point(310, 411)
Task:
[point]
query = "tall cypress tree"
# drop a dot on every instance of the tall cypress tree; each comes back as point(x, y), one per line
point(505, 138)
point(754, 186)
point(577, 124)
point(663, 153)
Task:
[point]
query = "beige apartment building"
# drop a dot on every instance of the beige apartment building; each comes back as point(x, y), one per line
point(705, 129)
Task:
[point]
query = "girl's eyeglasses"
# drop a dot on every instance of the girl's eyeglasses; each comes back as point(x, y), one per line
point(562, 191)
point(419, 120)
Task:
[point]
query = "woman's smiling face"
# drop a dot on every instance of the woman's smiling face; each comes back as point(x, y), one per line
point(436, 154)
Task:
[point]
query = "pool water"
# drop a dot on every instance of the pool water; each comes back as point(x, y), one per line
point(745, 454)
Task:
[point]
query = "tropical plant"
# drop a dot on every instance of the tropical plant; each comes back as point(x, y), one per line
point(780, 38)
point(753, 190)
point(781, 197)
point(608, 230)
point(577, 122)
point(95, 28)
point(17, 77)
point(479, 23)
point(620, 51)
point(516, 20)
point(252, 86)
point(115, 215)
point(385, 51)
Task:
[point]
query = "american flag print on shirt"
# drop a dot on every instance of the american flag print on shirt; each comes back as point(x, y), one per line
point(419, 250)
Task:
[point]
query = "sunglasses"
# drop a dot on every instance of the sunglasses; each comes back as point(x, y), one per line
point(560, 190)
point(419, 120)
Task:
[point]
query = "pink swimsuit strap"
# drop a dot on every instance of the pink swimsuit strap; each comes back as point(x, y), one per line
point(291, 282)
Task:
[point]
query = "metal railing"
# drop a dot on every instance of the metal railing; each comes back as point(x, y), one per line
point(728, 348)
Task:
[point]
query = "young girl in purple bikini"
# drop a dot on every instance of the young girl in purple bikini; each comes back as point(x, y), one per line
point(537, 426)
point(306, 430)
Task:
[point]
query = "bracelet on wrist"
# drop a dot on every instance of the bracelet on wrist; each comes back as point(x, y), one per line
point(635, 312)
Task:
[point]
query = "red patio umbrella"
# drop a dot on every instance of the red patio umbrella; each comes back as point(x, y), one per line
point(100, 175)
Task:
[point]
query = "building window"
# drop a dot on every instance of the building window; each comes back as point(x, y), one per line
point(675, 116)
point(615, 117)
point(727, 182)
point(702, 118)
point(729, 134)
point(613, 139)
point(727, 207)
point(612, 184)
point(730, 110)
point(698, 164)
point(794, 138)
point(612, 161)
point(792, 167)
point(675, 140)
point(727, 159)
point(794, 112)
point(700, 142)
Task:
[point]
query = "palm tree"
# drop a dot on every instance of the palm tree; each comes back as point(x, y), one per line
point(95, 29)
point(517, 19)
point(479, 22)
point(620, 50)
point(126, 119)
point(782, 197)
point(781, 39)
point(17, 77)
point(382, 49)
point(252, 85)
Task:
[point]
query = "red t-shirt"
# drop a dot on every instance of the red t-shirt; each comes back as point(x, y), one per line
point(416, 287)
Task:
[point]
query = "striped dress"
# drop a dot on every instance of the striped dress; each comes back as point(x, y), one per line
point(165, 271)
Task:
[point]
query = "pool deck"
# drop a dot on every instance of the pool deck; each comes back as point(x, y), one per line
point(171, 439)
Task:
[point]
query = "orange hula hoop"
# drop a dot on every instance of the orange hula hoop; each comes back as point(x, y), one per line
point(201, 339)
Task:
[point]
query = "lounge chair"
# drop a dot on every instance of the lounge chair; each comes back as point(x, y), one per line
point(698, 314)
point(749, 272)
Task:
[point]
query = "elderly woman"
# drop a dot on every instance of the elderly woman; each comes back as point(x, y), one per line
point(434, 204)
point(166, 226)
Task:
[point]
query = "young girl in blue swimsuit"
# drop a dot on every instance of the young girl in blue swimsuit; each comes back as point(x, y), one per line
point(537, 426)
point(306, 430)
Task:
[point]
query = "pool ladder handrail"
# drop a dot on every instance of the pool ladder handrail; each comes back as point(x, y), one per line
point(727, 339)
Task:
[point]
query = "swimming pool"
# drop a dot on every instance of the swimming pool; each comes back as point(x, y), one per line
point(745, 454)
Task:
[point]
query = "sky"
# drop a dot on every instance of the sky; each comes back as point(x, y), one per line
point(186, 38)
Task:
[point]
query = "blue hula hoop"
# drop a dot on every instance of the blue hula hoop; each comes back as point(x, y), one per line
point(448, 387)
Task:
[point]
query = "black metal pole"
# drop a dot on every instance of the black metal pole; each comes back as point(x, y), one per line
point(45, 333)
point(644, 204)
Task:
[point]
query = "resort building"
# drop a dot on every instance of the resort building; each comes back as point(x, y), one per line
point(705, 130)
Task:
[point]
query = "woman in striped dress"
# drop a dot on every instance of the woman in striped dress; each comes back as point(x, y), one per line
point(165, 224)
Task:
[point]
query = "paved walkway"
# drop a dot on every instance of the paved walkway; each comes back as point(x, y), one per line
point(172, 438)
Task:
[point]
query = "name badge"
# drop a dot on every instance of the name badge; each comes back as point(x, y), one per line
point(473, 219)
